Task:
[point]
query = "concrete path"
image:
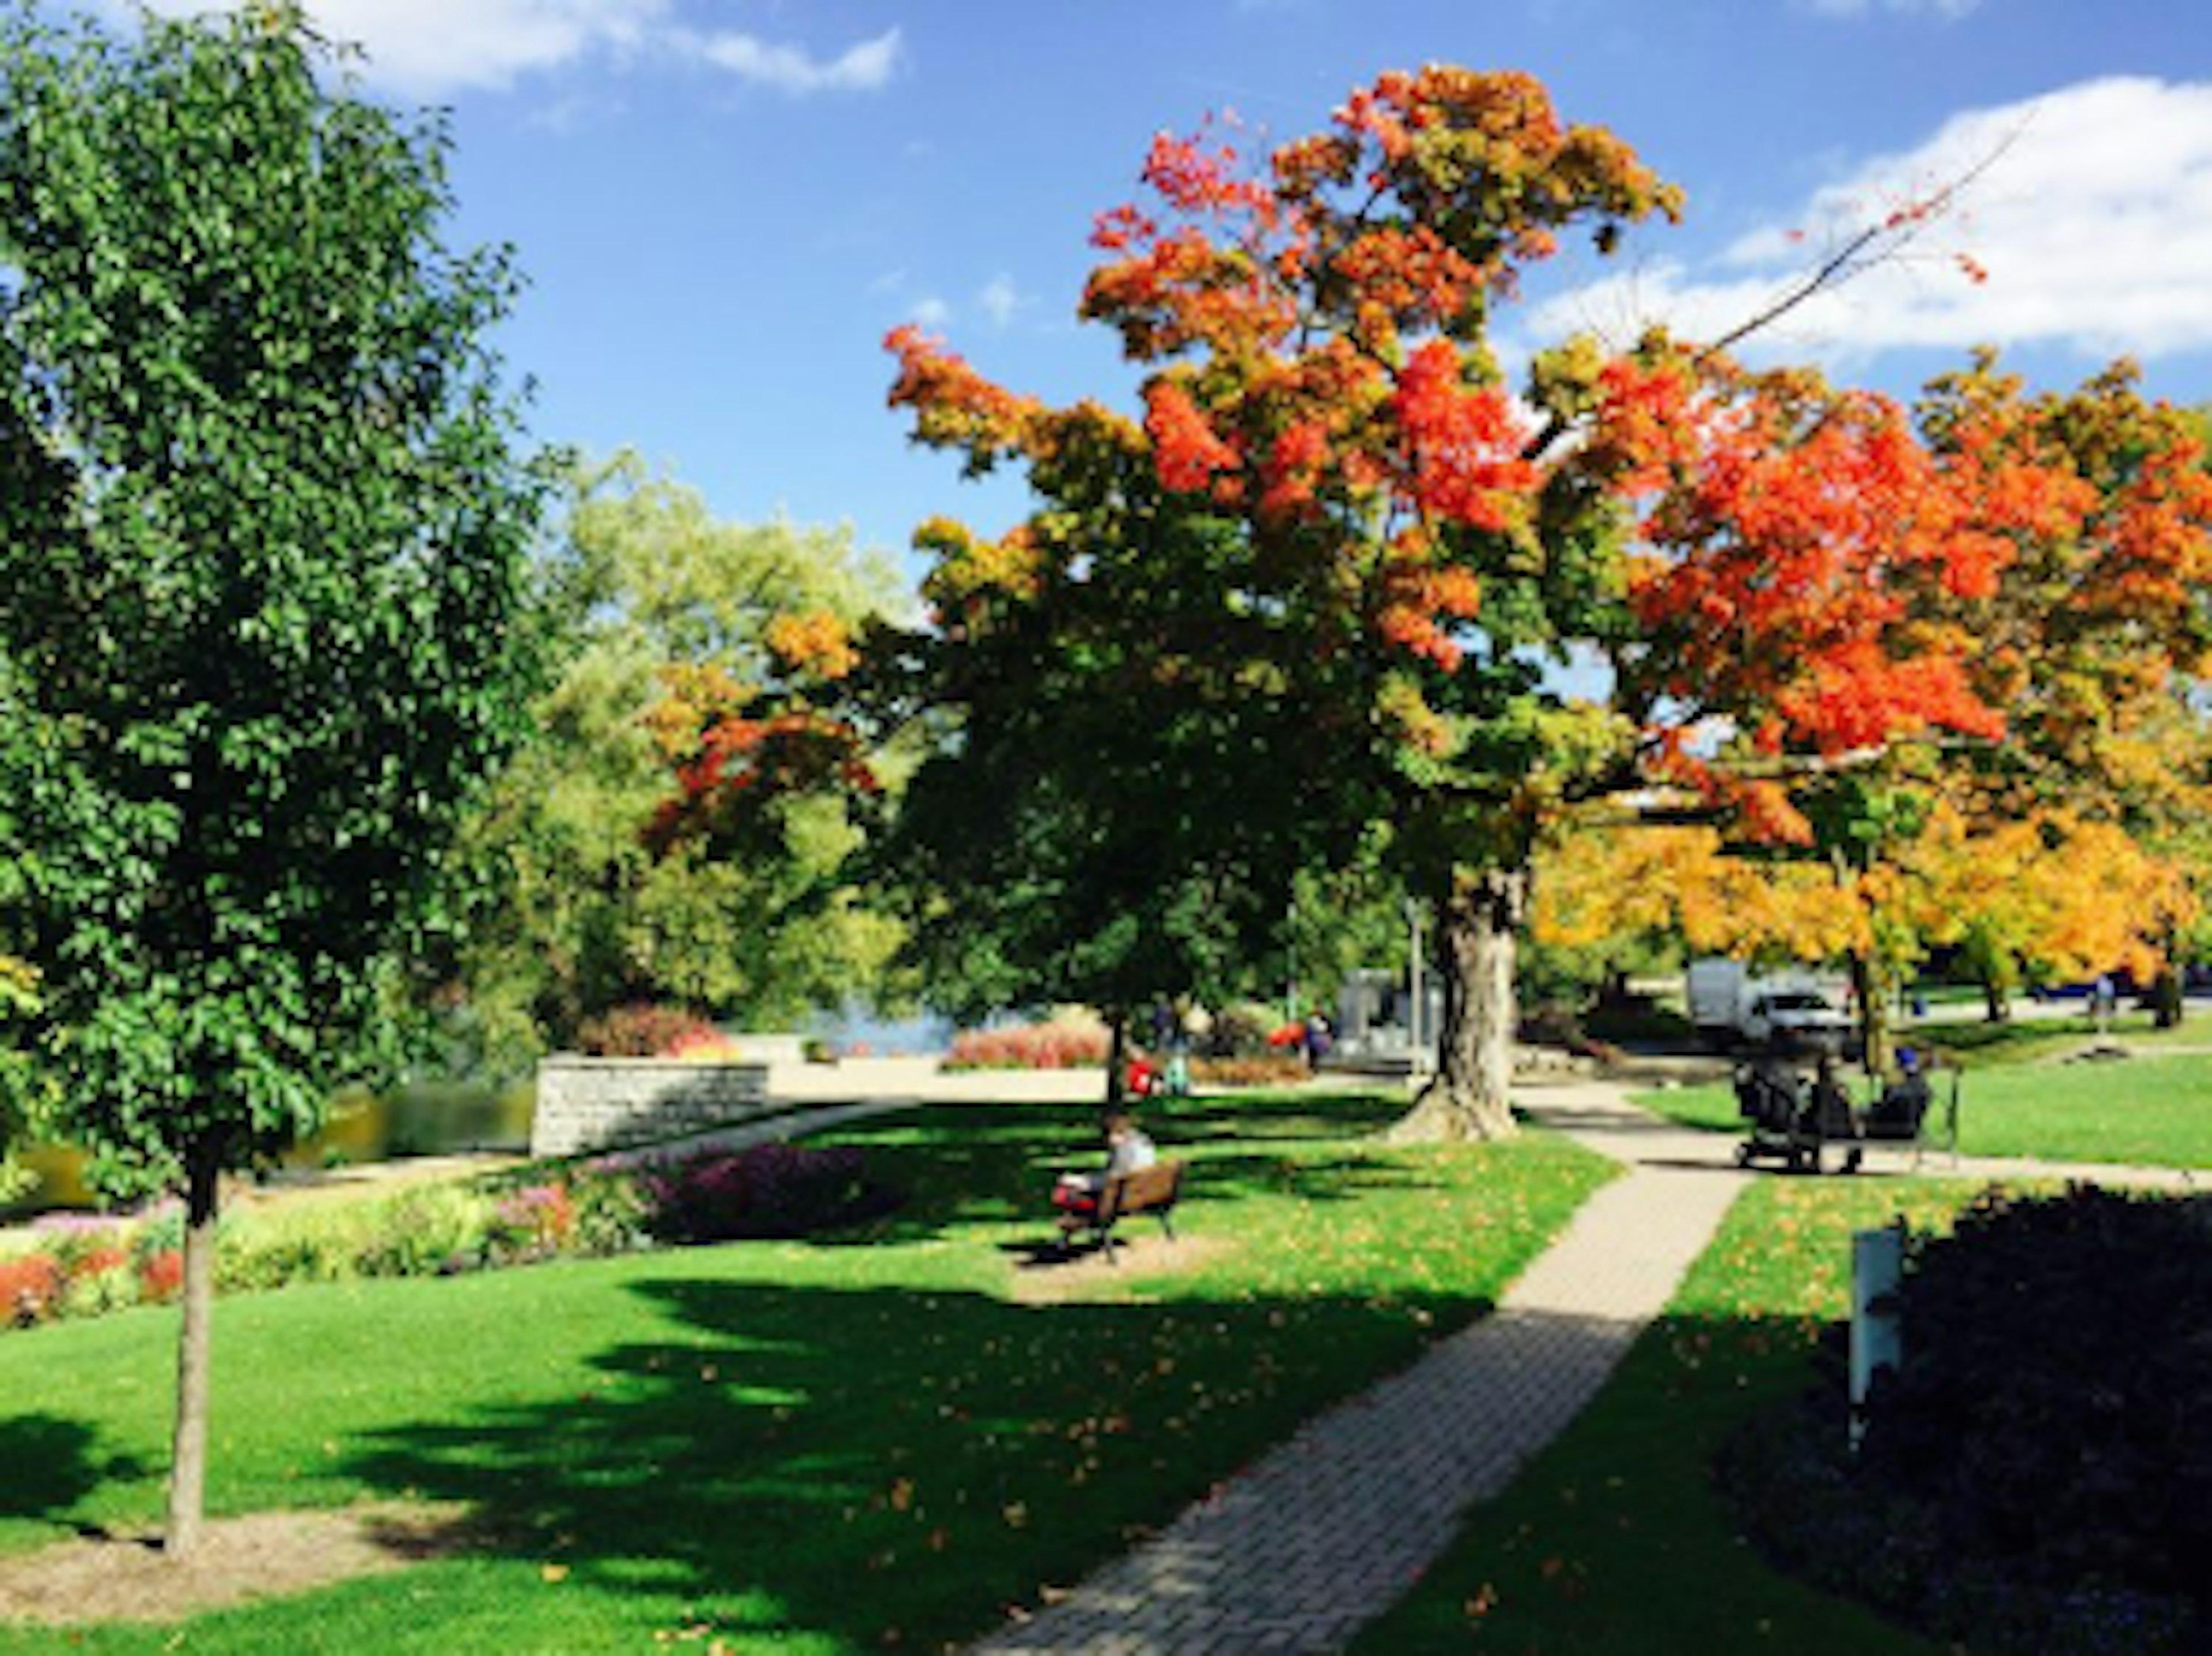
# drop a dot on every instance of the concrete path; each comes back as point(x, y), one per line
point(1326, 1533)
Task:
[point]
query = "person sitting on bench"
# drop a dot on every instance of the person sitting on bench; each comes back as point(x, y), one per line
point(1904, 1102)
point(1128, 1150)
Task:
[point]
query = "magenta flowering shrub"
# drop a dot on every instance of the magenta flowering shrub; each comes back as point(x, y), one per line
point(538, 1221)
point(768, 1189)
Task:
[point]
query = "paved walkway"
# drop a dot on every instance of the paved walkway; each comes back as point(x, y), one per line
point(1326, 1533)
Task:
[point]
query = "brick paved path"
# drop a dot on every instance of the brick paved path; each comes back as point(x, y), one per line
point(1326, 1532)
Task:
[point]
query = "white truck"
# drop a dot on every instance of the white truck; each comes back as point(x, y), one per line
point(1730, 1005)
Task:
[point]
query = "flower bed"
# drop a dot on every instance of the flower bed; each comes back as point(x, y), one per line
point(1062, 1044)
point(69, 1266)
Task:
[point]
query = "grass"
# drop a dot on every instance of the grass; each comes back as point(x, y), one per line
point(862, 1443)
point(1613, 1540)
point(2154, 1109)
point(2035, 1040)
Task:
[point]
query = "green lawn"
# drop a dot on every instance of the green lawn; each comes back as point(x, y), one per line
point(2155, 1109)
point(1613, 1540)
point(860, 1444)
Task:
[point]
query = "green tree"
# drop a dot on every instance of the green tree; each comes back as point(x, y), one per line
point(1110, 811)
point(578, 913)
point(264, 541)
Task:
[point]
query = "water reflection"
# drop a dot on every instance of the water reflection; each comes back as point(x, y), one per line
point(430, 1118)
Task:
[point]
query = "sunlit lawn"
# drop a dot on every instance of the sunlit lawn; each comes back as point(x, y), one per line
point(864, 1443)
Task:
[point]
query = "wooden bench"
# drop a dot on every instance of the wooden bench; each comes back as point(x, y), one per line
point(1154, 1190)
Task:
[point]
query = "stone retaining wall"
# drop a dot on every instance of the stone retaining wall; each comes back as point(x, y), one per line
point(602, 1103)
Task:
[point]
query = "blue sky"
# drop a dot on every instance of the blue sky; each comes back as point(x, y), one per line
point(723, 205)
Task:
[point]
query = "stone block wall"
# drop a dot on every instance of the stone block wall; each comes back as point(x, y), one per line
point(605, 1103)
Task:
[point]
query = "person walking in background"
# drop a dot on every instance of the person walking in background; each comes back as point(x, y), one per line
point(1316, 1039)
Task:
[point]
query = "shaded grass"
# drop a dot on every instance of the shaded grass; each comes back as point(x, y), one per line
point(2151, 1110)
point(862, 1443)
point(1613, 1539)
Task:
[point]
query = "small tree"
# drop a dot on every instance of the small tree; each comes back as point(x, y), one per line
point(263, 545)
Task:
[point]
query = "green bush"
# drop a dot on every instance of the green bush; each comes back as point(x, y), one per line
point(612, 1210)
point(99, 1288)
point(424, 1231)
point(1241, 1030)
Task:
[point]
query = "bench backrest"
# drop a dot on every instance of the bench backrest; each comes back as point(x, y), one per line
point(1156, 1186)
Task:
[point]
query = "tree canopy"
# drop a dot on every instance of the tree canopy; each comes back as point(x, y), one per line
point(1321, 399)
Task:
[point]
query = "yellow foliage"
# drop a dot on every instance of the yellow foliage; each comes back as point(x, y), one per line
point(2073, 896)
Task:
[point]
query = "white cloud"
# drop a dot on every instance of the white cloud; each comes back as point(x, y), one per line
point(863, 67)
point(2091, 213)
point(428, 47)
point(1000, 300)
point(433, 47)
point(930, 312)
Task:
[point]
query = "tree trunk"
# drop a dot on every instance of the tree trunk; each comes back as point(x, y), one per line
point(2166, 998)
point(1117, 1058)
point(188, 1453)
point(1479, 923)
point(1996, 1001)
point(1871, 989)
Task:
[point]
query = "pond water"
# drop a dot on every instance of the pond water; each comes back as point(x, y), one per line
point(424, 1118)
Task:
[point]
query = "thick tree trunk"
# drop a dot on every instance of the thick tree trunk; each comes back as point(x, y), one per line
point(188, 1453)
point(1479, 923)
point(2166, 998)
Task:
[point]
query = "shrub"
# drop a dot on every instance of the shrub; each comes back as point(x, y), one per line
point(2038, 1476)
point(1241, 1030)
point(1061, 1043)
point(612, 1209)
point(101, 1283)
point(644, 1030)
point(768, 1189)
point(426, 1230)
point(254, 1257)
point(534, 1222)
point(702, 1046)
point(161, 1276)
point(30, 1284)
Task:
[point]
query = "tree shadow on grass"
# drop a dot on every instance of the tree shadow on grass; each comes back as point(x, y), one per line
point(996, 1164)
point(48, 1465)
point(854, 1462)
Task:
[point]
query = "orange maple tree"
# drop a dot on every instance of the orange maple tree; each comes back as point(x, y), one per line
point(1313, 327)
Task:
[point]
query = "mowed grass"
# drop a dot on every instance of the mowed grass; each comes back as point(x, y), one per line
point(866, 1442)
point(1613, 1542)
point(2154, 1109)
